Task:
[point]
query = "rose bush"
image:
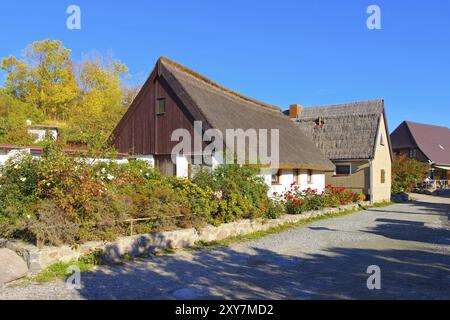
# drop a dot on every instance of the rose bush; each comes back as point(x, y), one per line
point(298, 201)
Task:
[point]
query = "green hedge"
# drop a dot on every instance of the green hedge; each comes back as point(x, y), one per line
point(59, 199)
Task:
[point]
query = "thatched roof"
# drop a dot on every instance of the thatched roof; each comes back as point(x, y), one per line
point(349, 130)
point(224, 109)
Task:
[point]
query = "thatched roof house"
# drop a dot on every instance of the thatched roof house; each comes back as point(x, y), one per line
point(355, 137)
point(217, 107)
point(175, 96)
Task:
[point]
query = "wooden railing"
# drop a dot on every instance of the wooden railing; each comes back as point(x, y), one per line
point(132, 221)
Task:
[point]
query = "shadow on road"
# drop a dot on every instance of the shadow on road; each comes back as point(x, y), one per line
point(411, 230)
point(333, 273)
point(338, 273)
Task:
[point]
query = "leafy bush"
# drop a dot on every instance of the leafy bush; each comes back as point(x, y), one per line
point(57, 199)
point(298, 201)
point(61, 199)
point(13, 117)
point(200, 201)
point(276, 208)
point(241, 193)
point(407, 173)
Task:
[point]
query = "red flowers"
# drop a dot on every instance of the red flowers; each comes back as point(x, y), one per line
point(298, 201)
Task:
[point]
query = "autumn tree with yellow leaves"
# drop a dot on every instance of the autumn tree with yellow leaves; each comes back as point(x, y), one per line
point(86, 98)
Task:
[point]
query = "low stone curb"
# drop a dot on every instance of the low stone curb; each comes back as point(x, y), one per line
point(40, 258)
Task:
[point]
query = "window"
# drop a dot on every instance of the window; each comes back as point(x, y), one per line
point(310, 177)
point(320, 121)
point(382, 140)
point(413, 153)
point(161, 106)
point(343, 169)
point(383, 176)
point(297, 176)
point(276, 177)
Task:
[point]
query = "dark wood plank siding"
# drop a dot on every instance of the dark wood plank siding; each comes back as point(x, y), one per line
point(142, 131)
point(175, 117)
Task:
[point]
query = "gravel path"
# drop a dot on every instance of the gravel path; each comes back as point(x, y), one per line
point(324, 260)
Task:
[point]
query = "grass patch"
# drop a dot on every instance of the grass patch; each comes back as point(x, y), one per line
point(381, 204)
point(165, 251)
point(60, 270)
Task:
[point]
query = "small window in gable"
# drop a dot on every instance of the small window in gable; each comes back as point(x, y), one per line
point(383, 176)
point(161, 106)
point(382, 140)
point(320, 121)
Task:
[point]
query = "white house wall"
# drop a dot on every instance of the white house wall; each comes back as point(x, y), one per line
point(287, 178)
point(12, 153)
point(182, 166)
point(41, 133)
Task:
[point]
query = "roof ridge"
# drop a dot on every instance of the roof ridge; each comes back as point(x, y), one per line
point(426, 124)
point(354, 103)
point(211, 83)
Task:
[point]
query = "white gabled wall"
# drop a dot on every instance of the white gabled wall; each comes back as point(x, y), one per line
point(382, 161)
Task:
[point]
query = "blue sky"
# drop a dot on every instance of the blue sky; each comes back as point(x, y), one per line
point(280, 52)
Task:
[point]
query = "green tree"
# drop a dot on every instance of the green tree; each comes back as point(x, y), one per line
point(407, 173)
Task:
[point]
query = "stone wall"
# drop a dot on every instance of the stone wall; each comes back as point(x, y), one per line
point(40, 258)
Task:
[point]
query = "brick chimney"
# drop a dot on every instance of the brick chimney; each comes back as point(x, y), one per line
point(294, 111)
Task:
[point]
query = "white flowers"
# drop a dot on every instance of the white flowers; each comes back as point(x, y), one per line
point(103, 170)
point(23, 179)
point(110, 177)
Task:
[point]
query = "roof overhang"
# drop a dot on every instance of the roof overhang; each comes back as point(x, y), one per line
point(350, 160)
point(442, 166)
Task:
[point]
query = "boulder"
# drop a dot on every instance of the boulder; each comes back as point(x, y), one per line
point(12, 267)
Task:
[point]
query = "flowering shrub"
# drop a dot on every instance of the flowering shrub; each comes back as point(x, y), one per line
point(59, 199)
point(298, 201)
